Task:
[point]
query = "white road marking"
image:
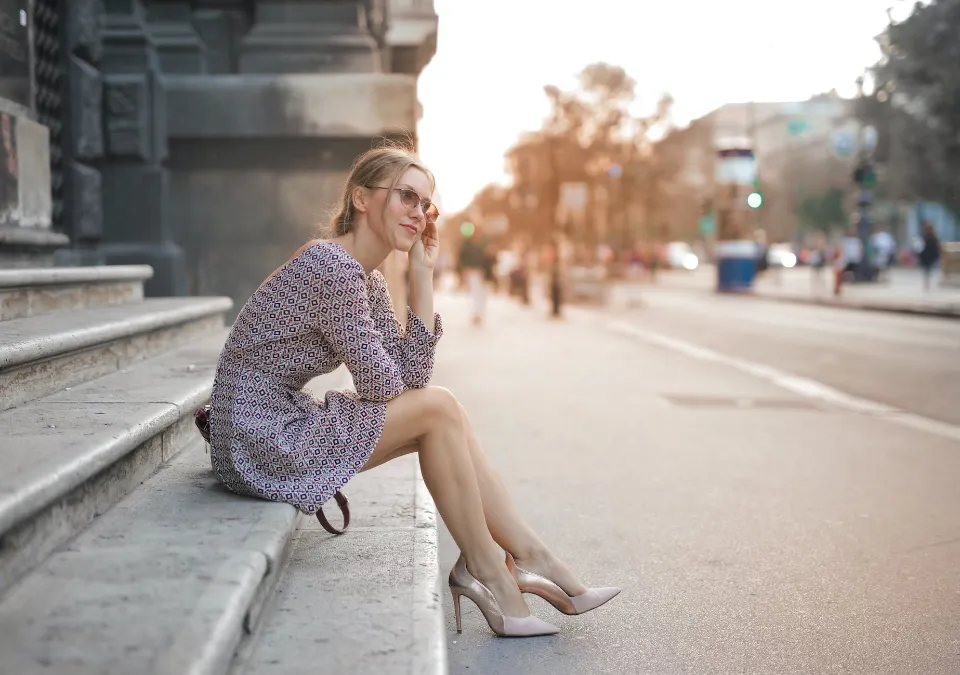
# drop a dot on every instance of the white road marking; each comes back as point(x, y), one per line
point(798, 385)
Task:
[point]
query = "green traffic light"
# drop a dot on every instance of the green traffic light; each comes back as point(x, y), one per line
point(467, 228)
point(754, 200)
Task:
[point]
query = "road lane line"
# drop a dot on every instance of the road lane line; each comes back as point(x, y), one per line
point(799, 385)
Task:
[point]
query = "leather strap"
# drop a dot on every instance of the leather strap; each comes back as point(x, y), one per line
point(344, 509)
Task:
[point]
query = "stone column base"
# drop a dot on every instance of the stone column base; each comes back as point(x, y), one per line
point(29, 247)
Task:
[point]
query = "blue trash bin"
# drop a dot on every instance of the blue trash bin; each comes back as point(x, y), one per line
point(736, 266)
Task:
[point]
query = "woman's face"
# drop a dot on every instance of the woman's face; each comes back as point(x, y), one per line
point(396, 214)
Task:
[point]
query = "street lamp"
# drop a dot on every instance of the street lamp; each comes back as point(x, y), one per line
point(865, 177)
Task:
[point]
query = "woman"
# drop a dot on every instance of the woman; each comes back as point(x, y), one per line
point(329, 305)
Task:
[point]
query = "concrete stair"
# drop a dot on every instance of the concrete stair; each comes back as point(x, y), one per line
point(30, 292)
point(119, 550)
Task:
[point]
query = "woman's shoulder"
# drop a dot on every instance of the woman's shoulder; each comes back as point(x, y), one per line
point(329, 259)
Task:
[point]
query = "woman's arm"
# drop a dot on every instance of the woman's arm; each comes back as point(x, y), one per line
point(421, 296)
point(346, 323)
point(414, 350)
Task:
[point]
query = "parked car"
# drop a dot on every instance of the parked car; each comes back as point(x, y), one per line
point(680, 256)
point(781, 255)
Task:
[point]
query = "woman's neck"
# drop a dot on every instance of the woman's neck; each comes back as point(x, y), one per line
point(365, 247)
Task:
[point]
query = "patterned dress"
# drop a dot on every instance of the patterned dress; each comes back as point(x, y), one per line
point(271, 440)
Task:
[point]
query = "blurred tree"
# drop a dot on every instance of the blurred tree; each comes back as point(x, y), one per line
point(915, 104)
point(590, 136)
point(824, 212)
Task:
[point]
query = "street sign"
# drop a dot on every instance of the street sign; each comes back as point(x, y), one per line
point(796, 126)
point(736, 166)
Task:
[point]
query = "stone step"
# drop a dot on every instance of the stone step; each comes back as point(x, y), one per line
point(43, 354)
point(168, 581)
point(173, 579)
point(365, 602)
point(70, 456)
point(32, 292)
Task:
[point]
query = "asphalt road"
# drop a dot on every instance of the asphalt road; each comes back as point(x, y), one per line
point(753, 529)
point(908, 362)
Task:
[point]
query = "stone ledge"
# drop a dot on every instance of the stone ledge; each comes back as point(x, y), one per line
point(170, 580)
point(49, 276)
point(55, 444)
point(32, 237)
point(325, 106)
point(26, 340)
point(364, 602)
point(164, 582)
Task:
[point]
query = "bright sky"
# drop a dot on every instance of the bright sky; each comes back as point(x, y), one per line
point(485, 84)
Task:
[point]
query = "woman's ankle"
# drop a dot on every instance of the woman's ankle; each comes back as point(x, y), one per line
point(533, 554)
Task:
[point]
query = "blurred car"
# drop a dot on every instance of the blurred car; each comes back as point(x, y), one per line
point(781, 255)
point(680, 256)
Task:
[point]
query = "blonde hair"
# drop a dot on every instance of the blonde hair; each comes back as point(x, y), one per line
point(389, 163)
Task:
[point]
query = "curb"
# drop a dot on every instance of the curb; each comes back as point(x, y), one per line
point(947, 312)
point(429, 636)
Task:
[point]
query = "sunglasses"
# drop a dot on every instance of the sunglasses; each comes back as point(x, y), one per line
point(411, 200)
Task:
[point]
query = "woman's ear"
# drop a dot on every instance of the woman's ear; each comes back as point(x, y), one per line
point(359, 198)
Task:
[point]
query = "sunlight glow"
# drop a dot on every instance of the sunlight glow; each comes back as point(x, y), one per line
point(484, 86)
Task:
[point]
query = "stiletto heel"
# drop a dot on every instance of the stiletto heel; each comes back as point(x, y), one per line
point(531, 582)
point(464, 583)
point(456, 607)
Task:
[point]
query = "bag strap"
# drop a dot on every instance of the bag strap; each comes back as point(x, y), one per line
point(344, 509)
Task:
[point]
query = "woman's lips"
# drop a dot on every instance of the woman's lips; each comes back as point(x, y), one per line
point(412, 228)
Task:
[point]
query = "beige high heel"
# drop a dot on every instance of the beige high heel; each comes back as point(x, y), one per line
point(464, 583)
point(531, 582)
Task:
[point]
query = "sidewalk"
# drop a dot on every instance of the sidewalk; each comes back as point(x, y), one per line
point(902, 293)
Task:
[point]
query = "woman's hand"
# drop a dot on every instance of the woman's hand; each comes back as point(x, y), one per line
point(426, 249)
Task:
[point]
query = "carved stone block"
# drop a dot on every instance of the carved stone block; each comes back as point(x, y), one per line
point(84, 202)
point(86, 105)
point(84, 37)
point(126, 106)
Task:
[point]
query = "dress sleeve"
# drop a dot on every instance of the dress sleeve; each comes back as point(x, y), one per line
point(345, 321)
point(414, 351)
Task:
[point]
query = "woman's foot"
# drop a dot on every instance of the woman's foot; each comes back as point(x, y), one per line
point(501, 583)
point(548, 565)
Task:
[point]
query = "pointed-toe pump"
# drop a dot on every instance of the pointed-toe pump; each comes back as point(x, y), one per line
point(531, 582)
point(462, 583)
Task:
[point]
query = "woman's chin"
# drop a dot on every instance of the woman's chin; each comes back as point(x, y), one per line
point(404, 242)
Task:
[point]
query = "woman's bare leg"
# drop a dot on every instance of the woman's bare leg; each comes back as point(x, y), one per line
point(504, 522)
point(430, 418)
point(508, 527)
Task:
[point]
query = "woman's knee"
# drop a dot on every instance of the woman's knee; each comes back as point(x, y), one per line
point(441, 404)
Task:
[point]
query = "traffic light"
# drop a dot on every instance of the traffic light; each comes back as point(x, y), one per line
point(754, 200)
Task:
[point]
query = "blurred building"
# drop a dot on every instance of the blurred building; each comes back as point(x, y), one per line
point(803, 149)
point(208, 138)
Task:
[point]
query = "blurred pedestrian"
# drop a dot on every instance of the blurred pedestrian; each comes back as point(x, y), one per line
point(884, 251)
point(929, 254)
point(820, 256)
point(476, 269)
point(840, 265)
